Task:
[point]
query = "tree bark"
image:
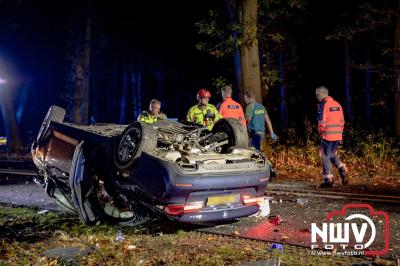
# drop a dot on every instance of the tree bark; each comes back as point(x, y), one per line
point(367, 89)
point(282, 92)
point(124, 96)
point(82, 75)
point(397, 74)
point(133, 91)
point(347, 67)
point(238, 91)
point(249, 55)
point(10, 123)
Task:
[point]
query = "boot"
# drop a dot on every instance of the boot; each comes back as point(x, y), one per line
point(328, 181)
point(326, 184)
point(343, 174)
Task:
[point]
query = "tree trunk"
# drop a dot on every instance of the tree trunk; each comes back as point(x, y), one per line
point(367, 90)
point(10, 123)
point(238, 86)
point(397, 74)
point(139, 88)
point(133, 91)
point(124, 96)
point(347, 67)
point(82, 75)
point(249, 56)
point(282, 92)
point(93, 100)
point(21, 101)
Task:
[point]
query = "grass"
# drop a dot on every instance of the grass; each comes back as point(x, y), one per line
point(155, 245)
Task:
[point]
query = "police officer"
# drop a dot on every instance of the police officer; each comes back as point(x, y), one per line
point(330, 128)
point(203, 113)
point(154, 113)
point(257, 117)
point(230, 108)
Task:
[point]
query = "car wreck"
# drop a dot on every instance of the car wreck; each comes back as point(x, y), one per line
point(128, 174)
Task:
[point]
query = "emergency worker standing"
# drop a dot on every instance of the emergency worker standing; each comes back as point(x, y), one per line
point(330, 128)
point(257, 117)
point(153, 114)
point(203, 113)
point(230, 108)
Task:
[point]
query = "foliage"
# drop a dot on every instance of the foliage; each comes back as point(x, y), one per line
point(219, 82)
point(222, 35)
point(373, 158)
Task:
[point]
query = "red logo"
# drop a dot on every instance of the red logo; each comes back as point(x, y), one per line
point(357, 231)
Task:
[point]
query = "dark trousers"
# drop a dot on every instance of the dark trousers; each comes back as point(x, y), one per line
point(256, 138)
point(329, 157)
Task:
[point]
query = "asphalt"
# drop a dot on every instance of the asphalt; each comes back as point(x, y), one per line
point(26, 194)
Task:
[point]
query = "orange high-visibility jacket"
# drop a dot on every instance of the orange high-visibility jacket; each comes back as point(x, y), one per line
point(330, 119)
point(232, 109)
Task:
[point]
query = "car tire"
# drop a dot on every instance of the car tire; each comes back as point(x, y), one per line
point(136, 138)
point(237, 134)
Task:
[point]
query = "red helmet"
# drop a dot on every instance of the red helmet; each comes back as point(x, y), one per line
point(203, 93)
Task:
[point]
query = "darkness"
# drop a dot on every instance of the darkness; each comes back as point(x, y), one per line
point(159, 37)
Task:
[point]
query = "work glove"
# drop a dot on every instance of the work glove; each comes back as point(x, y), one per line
point(209, 114)
point(274, 137)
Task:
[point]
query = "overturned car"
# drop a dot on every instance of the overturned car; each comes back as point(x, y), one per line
point(128, 174)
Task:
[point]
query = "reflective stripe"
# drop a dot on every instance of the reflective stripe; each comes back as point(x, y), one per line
point(333, 125)
point(332, 132)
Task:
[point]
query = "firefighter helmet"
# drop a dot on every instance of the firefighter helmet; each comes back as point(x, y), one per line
point(203, 93)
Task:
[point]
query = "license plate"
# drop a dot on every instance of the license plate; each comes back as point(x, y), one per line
point(225, 199)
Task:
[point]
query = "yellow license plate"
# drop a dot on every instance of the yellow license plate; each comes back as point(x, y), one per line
point(225, 199)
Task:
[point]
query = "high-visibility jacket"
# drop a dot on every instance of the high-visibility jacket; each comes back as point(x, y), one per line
point(232, 109)
point(330, 119)
point(147, 118)
point(203, 115)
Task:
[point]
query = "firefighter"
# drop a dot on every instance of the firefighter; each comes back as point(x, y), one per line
point(153, 114)
point(203, 113)
point(257, 117)
point(230, 108)
point(330, 128)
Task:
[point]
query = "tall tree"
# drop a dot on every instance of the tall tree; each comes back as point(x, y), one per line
point(367, 88)
point(347, 77)
point(124, 96)
point(397, 72)
point(79, 57)
point(231, 7)
point(9, 119)
point(249, 55)
point(283, 117)
point(82, 74)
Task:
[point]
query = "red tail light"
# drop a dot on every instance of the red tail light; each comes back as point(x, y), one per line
point(179, 209)
point(248, 200)
point(174, 210)
point(193, 207)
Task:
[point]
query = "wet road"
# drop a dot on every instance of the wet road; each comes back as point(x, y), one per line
point(27, 194)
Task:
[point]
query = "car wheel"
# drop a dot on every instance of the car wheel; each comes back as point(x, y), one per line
point(237, 134)
point(136, 138)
